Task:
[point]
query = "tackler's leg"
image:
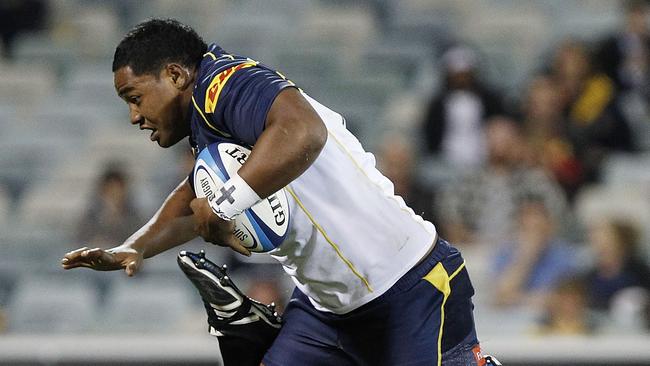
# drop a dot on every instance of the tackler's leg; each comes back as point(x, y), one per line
point(244, 327)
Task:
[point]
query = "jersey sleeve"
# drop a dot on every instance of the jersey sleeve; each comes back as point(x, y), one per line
point(244, 101)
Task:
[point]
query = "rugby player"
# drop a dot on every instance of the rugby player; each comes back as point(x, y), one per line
point(375, 285)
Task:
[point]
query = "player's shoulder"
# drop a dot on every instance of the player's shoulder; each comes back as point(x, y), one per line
point(215, 70)
point(217, 65)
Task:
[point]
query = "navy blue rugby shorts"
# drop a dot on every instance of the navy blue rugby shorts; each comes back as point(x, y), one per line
point(426, 318)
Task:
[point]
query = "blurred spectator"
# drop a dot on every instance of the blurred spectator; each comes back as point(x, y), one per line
point(182, 169)
point(532, 265)
point(617, 265)
point(625, 56)
point(18, 16)
point(3, 320)
point(453, 124)
point(396, 160)
point(547, 136)
point(482, 206)
point(5, 204)
point(566, 309)
point(596, 124)
point(110, 217)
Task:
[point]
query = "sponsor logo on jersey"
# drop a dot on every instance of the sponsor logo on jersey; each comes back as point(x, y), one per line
point(218, 82)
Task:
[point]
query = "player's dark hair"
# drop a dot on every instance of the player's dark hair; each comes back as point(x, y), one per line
point(154, 43)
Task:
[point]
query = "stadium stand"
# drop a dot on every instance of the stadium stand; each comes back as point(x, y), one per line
point(375, 61)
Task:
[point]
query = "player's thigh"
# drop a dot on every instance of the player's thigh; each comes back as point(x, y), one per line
point(459, 342)
point(397, 330)
point(305, 339)
point(418, 325)
point(459, 312)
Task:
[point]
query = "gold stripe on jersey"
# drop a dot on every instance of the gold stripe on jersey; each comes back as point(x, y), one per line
point(215, 57)
point(331, 243)
point(206, 120)
point(441, 280)
point(218, 82)
point(285, 78)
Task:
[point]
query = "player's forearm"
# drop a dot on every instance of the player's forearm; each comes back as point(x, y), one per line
point(293, 138)
point(153, 239)
point(171, 226)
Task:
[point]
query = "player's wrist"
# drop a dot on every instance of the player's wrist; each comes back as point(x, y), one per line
point(233, 198)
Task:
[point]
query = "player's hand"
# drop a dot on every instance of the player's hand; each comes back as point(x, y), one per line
point(214, 229)
point(104, 260)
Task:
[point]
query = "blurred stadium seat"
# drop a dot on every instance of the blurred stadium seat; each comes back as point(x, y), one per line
point(25, 85)
point(53, 305)
point(627, 169)
point(147, 305)
point(43, 50)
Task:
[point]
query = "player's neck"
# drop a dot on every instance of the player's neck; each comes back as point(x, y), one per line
point(186, 97)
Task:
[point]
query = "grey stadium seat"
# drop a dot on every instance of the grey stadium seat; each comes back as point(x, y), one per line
point(52, 305)
point(147, 305)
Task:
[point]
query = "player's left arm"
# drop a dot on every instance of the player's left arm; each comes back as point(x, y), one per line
point(292, 138)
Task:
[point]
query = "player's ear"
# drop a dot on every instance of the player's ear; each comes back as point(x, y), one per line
point(179, 75)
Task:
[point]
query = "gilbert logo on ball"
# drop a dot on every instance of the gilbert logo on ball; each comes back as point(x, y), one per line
point(260, 228)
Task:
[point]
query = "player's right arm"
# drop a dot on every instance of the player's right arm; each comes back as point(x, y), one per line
point(172, 225)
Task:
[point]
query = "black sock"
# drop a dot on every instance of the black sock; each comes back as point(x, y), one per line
point(249, 346)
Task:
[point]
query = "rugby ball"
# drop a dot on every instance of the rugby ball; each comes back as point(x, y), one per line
point(260, 228)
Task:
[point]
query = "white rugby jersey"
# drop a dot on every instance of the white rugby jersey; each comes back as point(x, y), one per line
point(351, 238)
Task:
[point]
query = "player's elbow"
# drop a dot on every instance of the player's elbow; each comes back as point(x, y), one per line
point(317, 135)
point(309, 135)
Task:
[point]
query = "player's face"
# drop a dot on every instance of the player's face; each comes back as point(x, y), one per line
point(155, 104)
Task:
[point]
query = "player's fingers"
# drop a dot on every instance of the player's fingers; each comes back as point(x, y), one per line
point(195, 204)
point(73, 255)
point(96, 258)
point(93, 254)
point(103, 258)
point(65, 265)
point(76, 265)
point(132, 268)
point(236, 245)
